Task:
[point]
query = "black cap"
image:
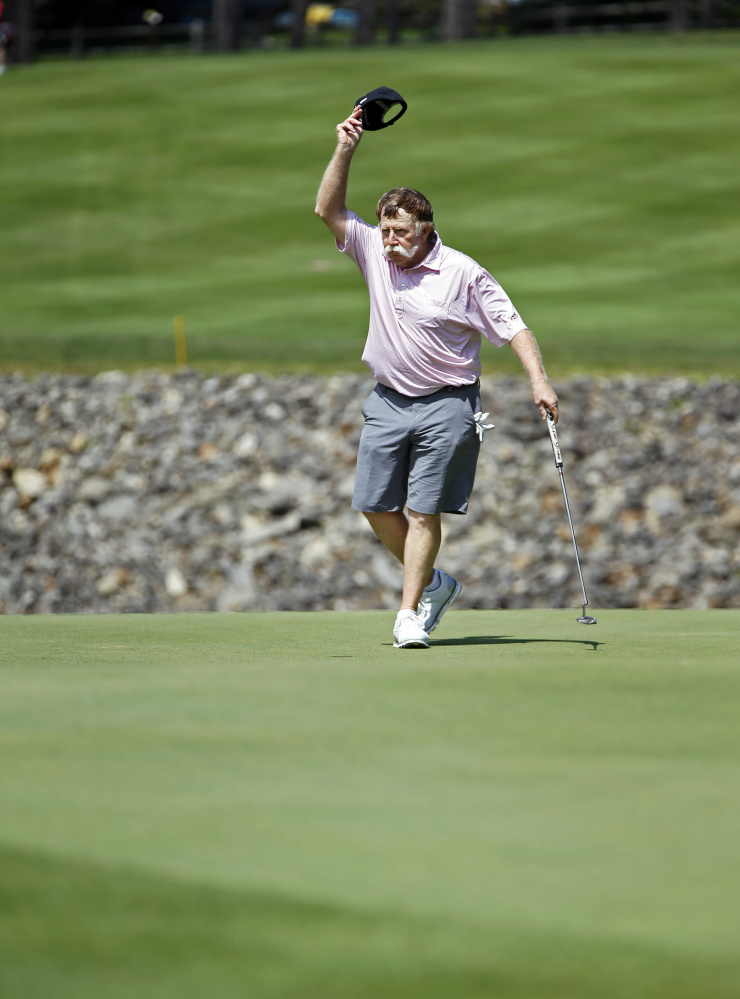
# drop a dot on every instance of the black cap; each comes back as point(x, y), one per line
point(375, 105)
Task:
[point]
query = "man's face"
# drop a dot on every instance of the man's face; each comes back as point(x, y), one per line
point(402, 243)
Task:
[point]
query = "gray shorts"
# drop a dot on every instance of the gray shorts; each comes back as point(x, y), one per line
point(417, 452)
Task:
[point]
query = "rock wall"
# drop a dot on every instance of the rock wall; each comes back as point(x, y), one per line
point(160, 492)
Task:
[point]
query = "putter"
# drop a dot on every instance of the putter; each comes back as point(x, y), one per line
point(584, 618)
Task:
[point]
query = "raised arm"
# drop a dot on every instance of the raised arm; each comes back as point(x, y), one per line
point(525, 347)
point(331, 205)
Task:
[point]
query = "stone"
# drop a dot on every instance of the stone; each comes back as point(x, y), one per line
point(110, 582)
point(175, 583)
point(118, 508)
point(557, 573)
point(94, 489)
point(255, 531)
point(387, 572)
point(257, 516)
point(208, 451)
point(665, 501)
point(246, 445)
point(78, 443)
point(609, 500)
point(29, 482)
point(50, 458)
point(274, 411)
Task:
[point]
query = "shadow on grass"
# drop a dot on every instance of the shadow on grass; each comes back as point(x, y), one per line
point(505, 640)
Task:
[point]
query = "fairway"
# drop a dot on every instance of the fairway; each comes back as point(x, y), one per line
point(596, 178)
point(282, 805)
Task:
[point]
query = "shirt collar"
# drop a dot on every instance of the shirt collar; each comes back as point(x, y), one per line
point(432, 260)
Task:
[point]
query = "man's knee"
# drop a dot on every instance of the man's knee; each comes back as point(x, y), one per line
point(428, 521)
point(378, 516)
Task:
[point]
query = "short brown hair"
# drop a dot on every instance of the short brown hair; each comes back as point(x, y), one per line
point(409, 200)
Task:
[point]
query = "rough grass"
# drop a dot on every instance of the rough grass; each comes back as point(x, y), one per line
point(281, 805)
point(595, 177)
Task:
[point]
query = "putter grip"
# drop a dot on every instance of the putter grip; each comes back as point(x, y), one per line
point(554, 440)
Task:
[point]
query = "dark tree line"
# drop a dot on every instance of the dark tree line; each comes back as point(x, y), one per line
point(455, 19)
point(448, 19)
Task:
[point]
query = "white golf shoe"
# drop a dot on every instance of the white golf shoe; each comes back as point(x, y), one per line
point(408, 632)
point(434, 603)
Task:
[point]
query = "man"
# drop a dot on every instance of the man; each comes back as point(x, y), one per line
point(429, 306)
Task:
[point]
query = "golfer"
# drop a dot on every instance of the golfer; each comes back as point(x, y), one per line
point(429, 307)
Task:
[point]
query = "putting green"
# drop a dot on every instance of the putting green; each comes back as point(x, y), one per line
point(282, 805)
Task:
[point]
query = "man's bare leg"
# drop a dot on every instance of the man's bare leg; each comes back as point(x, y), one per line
point(391, 528)
point(415, 543)
point(422, 547)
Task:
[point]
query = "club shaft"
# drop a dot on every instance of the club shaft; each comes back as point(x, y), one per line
point(573, 534)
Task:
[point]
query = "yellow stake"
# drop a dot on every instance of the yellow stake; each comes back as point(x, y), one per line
point(181, 347)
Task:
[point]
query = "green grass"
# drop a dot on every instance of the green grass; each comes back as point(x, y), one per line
point(282, 805)
point(595, 177)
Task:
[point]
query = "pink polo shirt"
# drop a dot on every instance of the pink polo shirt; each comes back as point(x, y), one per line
point(426, 322)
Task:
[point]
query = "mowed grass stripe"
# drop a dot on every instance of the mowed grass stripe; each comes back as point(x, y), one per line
point(596, 178)
point(73, 929)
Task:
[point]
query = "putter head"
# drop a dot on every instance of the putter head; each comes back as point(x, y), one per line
point(585, 618)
